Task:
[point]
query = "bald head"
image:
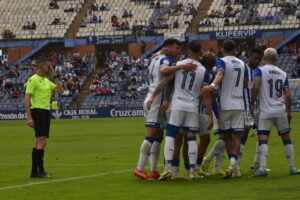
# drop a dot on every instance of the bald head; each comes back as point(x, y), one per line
point(270, 55)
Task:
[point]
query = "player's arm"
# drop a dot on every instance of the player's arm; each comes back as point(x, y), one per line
point(166, 70)
point(167, 95)
point(208, 99)
point(255, 90)
point(288, 99)
point(210, 88)
point(30, 121)
point(218, 78)
point(246, 76)
point(208, 104)
point(160, 87)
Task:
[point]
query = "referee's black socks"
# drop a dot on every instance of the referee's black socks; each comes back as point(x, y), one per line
point(34, 169)
point(40, 160)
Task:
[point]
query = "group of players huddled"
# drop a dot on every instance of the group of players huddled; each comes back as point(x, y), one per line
point(200, 92)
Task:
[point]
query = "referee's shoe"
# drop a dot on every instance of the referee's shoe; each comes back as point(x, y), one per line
point(40, 175)
point(38, 170)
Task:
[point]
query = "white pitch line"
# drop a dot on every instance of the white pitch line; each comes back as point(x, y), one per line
point(64, 180)
point(62, 164)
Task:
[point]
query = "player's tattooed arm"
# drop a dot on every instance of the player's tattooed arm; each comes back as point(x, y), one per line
point(208, 104)
point(167, 95)
point(160, 87)
point(168, 89)
point(254, 95)
point(288, 102)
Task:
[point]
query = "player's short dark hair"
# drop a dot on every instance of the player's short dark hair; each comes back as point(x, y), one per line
point(229, 45)
point(41, 61)
point(194, 46)
point(209, 59)
point(171, 41)
point(257, 51)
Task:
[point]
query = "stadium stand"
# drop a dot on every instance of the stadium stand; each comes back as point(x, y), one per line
point(122, 83)
point(145, 18)
point(73, 75)
point(247, 15)
point(50, 21)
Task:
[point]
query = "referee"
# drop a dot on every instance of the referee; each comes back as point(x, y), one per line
point(37, 105)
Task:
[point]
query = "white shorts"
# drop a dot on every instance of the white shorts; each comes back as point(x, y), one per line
point(265, 125)
point(231, 121)
point(203, 123)
point(249, 120)
point(154, 118)
point(187, 121)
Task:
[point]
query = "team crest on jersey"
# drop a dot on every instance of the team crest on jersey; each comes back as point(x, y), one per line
point(166, 62)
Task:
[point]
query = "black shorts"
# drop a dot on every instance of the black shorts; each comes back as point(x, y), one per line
point(41, 118)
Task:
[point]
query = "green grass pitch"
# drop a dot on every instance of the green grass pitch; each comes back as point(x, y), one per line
point(94, 159)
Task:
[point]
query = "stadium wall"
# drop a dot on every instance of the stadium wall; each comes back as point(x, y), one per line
point(61, 48)
point(15, 54)
point(136, 49)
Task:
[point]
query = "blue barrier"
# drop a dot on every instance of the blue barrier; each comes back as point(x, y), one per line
point(79, 114)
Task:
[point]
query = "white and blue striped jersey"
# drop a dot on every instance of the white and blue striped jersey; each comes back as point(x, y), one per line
point(231, 88)
point(187, 87)
point(155, 75)
point(247, 91)
point(271, 95)
point(202, 107)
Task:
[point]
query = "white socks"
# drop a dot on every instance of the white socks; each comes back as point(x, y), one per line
point(242, 149)
point(289, 152)
point(263, 156)
point(144, 154)
point(169, 151)
point(192, 152)
point(256, 157)
point(154, 155)
point(219, 160)
point(217, 149)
